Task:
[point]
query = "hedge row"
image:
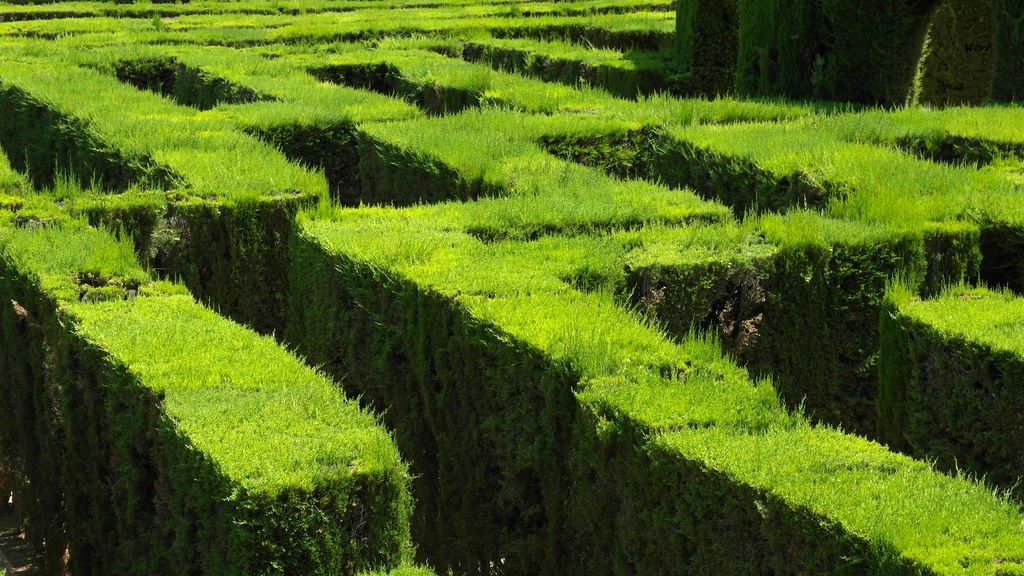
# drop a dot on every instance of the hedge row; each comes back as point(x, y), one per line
point(221, 228)
point(312, 123)
point(148, 435)
point(16, 11)
point(491, 155)
point(977, 136)
point(624, 75)
point(949, 371)
point(642, 30)
point(827, 277)
point(603, 446)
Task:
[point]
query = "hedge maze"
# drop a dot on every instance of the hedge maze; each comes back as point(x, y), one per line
point(339, 287)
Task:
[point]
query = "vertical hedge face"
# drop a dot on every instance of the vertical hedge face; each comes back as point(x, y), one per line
point(851, 50)
point(874, 49)
point(951, 385)
point(778, 46)
point(707, 34)
point(960, 65)
point(1009, 75)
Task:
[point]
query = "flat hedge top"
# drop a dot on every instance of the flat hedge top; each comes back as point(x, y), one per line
point(212, 159)
point(70, 259)
point(879, 184)
point(270, 422)
point(979, 315)
point(623, 362)
point(948, 525)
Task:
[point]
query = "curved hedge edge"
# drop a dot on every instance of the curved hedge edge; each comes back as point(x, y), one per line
point(960, 62)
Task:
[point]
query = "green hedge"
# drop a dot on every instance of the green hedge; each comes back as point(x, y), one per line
point(311, 122)
point(846, 50)
point(707, 40)
point(245, 206)
point(949, 371)
point(186, 85)
point(823, 292)
point(446, 158)
point(960, 63)
point(1009, 86)
point(150, 435)
point(623, 75)
point(601, 446)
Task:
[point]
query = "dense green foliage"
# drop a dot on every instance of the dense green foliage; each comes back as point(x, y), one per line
point(147, 434)
point(850, 50)
point(949, 369)
point(1009, 83)
point(613, 330)
point(960, 61)
point(707, 39)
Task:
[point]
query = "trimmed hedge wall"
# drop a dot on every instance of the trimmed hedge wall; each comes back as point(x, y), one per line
point(707, 39)
point(596, 450)
point(847, 50)
point(227, 247)
point(819, 334)
point(149, 435)
point(950, 370)
point(960, 64)
point(486, 459)
point(1009, 86)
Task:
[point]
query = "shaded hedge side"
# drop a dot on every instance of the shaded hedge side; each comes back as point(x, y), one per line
point(950, 392)
point(960, 64)
point(707, 36)
point(1009, 86)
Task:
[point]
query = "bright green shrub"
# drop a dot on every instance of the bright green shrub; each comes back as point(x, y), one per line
point(153, 436)
point(961, 135)
point(960, 64)
point(949, 369)
point(707, 38)
point(843, 50)
point(311, 122)
point(819, 334)
point(487, 154)
point(143, 134)
point(188, 86)
point(600, 446)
